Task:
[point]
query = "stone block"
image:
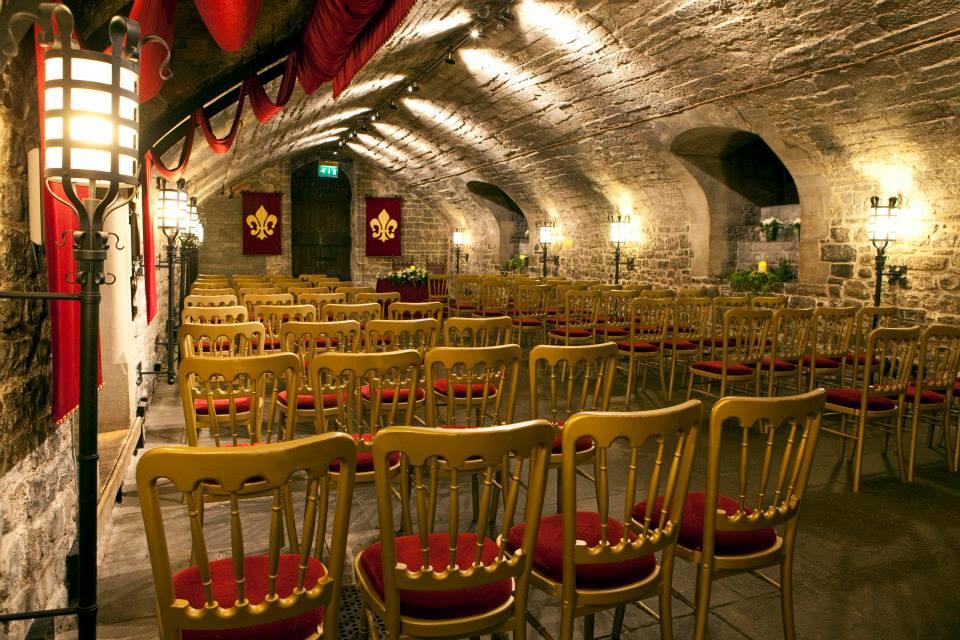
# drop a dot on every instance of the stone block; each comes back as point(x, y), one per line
point(837, 253)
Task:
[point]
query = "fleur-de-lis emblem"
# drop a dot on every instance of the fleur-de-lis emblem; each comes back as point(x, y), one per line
point(261, 223)
point(384, 227)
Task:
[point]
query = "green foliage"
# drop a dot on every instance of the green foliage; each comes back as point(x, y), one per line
point(755, 282)
point(515, 264)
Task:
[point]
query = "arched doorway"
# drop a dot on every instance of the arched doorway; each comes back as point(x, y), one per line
point(320, 214)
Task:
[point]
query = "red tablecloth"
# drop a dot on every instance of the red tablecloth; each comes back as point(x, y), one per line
point(408, 292)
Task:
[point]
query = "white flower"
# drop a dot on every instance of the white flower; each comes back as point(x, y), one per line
point(771, 221)
point(796, 222)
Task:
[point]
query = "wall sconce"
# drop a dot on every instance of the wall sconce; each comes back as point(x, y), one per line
point(619, 236)
point(546, 231)
point(882, 230)
point(459, 241)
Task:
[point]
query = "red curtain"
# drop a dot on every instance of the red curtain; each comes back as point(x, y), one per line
point(263, 107)
point(380, 29)
point(230, 22)
point(221, 145)
point(156, 18)
point(149, 250)
point(171, 174)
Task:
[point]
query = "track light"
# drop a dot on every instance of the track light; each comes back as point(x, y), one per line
point(375, 116)
point(476, 31)
point(413, 87)
point(393, 104)
point(450, 59)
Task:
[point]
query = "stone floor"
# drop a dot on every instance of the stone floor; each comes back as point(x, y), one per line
point(880, 564)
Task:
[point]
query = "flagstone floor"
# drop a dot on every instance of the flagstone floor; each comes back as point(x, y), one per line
point(881, 564)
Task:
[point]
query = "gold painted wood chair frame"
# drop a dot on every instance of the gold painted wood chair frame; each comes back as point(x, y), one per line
point(790, 334)
point(496, 295)
point(718, 308)
point(253, 300)
point(213, 315)
point(530, 312)
point(644, 347)
point(744, 340)
point(832, 328)
point(512, 456)
point(613, 316)
point(313, 567)
point(384, 299)
point(274, 316)
point(866, 320)
point(465, 298)
point(772, 303)
point(476, 332)
point(396, 335)
point(221, 340)
point(576, 324)
point(362, 312)
point(662, 441)
point(416, 310)
point(438, 288)
point(687, 331)
point(351, 292)
point(320, 300)
point(297, 290)
point(209, 293)
point(775, 495)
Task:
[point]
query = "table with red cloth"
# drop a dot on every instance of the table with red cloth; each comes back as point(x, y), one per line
point(408, 292)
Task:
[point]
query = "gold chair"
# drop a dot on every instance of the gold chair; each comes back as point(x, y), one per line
point(472, 386)
point(495, 297)
point(724, 535)
point(832, 327)
point(273, 594)
point(644, 347)
point(658, 293)
point(319, 300)
point(466, 296)
point(571, 379)
point(238, 395)
point(445, 581)
point(394, 335)
point(416, 310)
point(789, 341)
point(201, 286)
point(718, 308)
point(384, 299)
point(221, 340)
point(273, 316)
point(530, 312)
point(745, 334)
point(297, 290)
point(476, 332)
point(576, 324)
point(691, 292)
point(438, 288)
point(687, 331)
point(637, 286)
point(866, 320)
point(880, 395)
point(362, 312)
point(613, 317)
point(253, 300)
point(350, 291)
point(771, 303)
point(212, 291)
point(213, 315)
point(195, 300)
point(591, 561)
point(243, 292)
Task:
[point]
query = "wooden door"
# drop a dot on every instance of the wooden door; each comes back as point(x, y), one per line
point(321, 222)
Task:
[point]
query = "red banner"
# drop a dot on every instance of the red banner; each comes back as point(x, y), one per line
point(260, 224)
point(383, 226)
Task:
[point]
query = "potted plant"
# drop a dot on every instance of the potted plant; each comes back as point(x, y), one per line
point(412, 275)
point(771, 228)
point(759, 282)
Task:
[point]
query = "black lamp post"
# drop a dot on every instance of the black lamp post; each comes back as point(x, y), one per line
point(619, 235)
point(172, 220)
point(546, 232)
point(459, 240)
point(91, 126)
point(882, 231)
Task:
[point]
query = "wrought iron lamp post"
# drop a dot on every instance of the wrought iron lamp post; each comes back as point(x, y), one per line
point(459, 240)
point(619, 235)
point(882, 230)
point(91, 126)
point(172, 220)
point(546, 238)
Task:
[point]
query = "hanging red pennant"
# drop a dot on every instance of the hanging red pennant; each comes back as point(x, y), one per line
point(384, 226)
point(260, 224)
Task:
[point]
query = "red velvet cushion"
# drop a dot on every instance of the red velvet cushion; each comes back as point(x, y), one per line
point(643, 347)
point(570, 332)
point(956, 387)
point(555, 319)
point(365, 458)
point(718, 342)
point(582, 444)
point(527, 322)
point(187, 585)
point(324, 341)
point(386, 395)
point(822, 363)
point(612, 331)
point(860, 359)
point(716, 366)
point(850, 398)
point(926, 397)
point(778, 365)
point(443, 604)
point(269, 343)
point(222, 405)
point(493, 313)
point(548, 555)
point(463, 305)
point(641, 328)
point(305, 400)
point(460, 389)
point(726, 543)
point(682, 345)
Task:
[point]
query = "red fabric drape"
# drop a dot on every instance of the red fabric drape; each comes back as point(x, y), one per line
point(185, 151)
point(149, 250)
point(221, 145)
point(380, 29)
point(263, 107)
point(156, 18)
point(230, 22)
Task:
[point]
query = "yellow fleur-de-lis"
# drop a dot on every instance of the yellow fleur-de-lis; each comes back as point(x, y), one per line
point(384, 227)
point(261, 223)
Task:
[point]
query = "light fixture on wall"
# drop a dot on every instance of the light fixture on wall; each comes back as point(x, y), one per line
point(619, 236)
point(172, 218)
point(546, 238)
point(188, 250)
point(91, 126)
point(881, 231)
point(459, 241)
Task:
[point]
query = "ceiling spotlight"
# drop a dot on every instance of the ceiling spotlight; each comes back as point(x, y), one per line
point(375, 115)
point(483, 12)
point(393, 104)
point(450, 59)
point(413, 87)
point(476, 31)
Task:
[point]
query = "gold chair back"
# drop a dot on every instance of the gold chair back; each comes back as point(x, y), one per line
point(297, 290)
point(416, 310)
point(472, 386)
point(890, 359)
point(466, 293)
point(351, 292)
point(210, 284)
point(613, 318)
point(221, 340)
point(309, 338)
point(689, 320)
point(244, 291)
point(395, 335)
point(212, 291)
point(476, 332)
point(253, 300)
point(305, 579)
point(194, 300)
point(772, 303)
point(690, 292)
point(745, 332)
point(362, 313)
point(495, 296)
point(832, 329)
point(791, 332)
point(438, 287)
point(384, 299)
point(718, 308)
point(213, 315)
point(571, 379)
point(580, 309)
point(273, 317)
point(658, 293)
point(320, 300)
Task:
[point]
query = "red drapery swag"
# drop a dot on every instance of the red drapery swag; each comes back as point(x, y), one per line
point(384, 226)
point(230, 22)
point(149, 251)
point(261, 224)
point(156, 18)
point(59, 220)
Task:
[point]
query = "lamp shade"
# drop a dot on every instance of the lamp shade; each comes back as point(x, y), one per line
point(619, 230)
point(91, 117)
point(546, 233)
point(459, 238)
point(172, 209)
point(882, 228)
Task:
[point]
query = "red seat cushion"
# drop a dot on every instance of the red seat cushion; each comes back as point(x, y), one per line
point(331, 341)
point(778, 365)
point(493, 313)
point(570, 332)
point(442, 385)
point(269, 343)
point(222, 405)
point(956, 387)
point(365, 458)
point(582, 444)
point(718, 342)
point(643, 347)
point(926, 397)
point(641, 328)
point(850, 398)
point(612, 330)
point(716, 367)
point(466, 306)
point(726, 543)
point(305, 400)
point(386, 395)
point(548, 555)
point(860, 359)
point(187, 585)
point(527, 322)
point(821, 363)
point(442, 604)
point(682, 345)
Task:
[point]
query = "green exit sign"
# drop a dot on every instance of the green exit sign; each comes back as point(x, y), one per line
point(328, 170)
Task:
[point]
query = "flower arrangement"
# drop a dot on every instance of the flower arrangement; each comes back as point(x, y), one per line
point(771, 227)
point(756, 281)
point(408, 275)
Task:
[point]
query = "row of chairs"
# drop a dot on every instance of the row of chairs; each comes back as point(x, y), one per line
point(441, 578)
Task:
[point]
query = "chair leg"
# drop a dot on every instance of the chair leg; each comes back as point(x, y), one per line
point(618, 622)
point(704, 579)
point(364, 623)
point(631, 365)
point(673, 371)
point(858, 451)
point(786, 595)
point(690, 386)
point(588, 627)
point(475, 496)
point(898, 431)
point(912, 455)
